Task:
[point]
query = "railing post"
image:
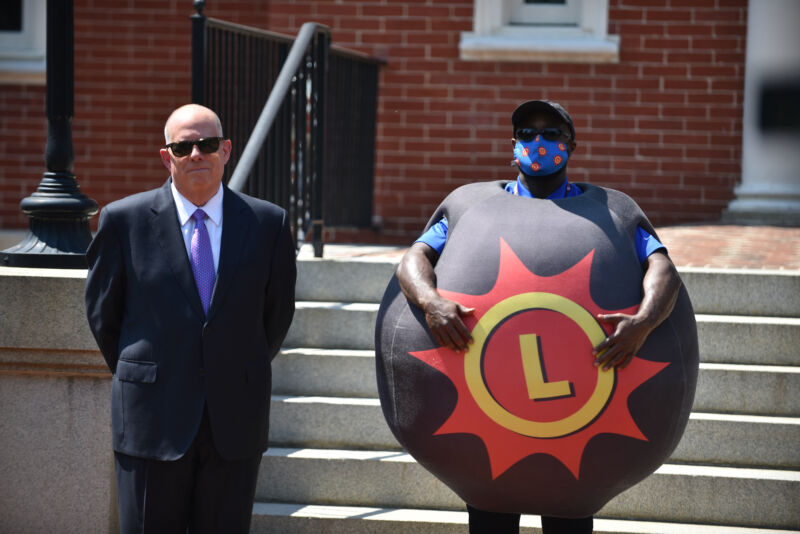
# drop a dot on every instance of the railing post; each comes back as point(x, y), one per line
point(320, 73)
point(198, 53)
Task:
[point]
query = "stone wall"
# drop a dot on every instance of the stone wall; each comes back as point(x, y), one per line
point(56, 462)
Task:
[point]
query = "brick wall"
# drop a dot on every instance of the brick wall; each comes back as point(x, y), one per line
point(663, 125)
point(132, 68)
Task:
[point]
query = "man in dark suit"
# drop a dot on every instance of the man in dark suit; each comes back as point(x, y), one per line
point(189, 295)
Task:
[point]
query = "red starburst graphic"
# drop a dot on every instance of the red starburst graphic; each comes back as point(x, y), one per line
point(527, 384)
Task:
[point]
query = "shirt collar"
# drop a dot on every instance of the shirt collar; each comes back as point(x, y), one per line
point(522, 191)
point(213, 207)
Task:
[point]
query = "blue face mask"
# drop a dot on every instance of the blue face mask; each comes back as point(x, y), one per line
point(540, 157)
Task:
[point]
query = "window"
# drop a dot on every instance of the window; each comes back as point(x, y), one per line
point(562, 12)
point(22, 41)
point(540, 30)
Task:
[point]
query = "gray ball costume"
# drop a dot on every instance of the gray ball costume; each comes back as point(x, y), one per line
point(549, 237)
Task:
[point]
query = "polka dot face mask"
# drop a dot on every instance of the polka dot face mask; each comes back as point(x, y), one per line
point(540, 157)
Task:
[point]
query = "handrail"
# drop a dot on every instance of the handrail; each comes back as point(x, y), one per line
point(274, 102)
point(241, 29)
point(280, 37)
point(303, 112)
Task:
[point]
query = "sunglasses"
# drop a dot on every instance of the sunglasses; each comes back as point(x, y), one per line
point(528, 134)
point(206, 145)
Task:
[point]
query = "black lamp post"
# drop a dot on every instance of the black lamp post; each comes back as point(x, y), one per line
point(59, 213)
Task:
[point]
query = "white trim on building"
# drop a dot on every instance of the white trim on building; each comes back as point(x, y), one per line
point(513, 30)
point(23, 53)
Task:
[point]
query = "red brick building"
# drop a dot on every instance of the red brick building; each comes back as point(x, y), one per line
point(657, 105)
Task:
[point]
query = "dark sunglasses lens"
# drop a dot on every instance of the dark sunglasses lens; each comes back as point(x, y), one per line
point(526, 134)
point(207, 146)
point(181, 149)
point(184, 148)
point(551, 134)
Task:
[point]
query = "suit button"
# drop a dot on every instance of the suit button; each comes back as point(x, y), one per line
point(206, 329)
point(201, 372)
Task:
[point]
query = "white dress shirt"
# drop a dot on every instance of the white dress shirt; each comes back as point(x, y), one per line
point(213, 209)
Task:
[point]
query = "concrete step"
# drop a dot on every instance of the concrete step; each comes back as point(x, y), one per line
point(761, 292)
point(740, 440)
point(723, 338)
point(358, 423)
point(676, 493)
point(750, 389)
point(721, 387)
point(288, 518)
point(329, 422)
point(326, 372)
point(749, 340)
point(765, 292)
point(343, 325)
point(346, 279)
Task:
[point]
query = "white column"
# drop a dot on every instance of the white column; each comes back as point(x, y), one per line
point(770, 188)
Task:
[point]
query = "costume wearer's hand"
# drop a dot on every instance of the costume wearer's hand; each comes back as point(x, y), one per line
point(622, 345)
point(444, 319)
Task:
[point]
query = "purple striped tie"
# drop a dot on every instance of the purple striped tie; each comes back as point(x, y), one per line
point(202, 259)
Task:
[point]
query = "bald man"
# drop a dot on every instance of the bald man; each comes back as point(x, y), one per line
point(189, 295)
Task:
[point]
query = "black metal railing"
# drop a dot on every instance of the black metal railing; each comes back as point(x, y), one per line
point(307, 113)
point(350, 119)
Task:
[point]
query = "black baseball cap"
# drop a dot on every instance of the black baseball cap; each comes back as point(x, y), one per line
point(531, 106)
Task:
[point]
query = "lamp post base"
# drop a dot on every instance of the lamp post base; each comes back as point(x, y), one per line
point(58, 232)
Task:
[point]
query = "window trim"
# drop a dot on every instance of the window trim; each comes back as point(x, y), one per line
point(496, 38)
point(23, 54)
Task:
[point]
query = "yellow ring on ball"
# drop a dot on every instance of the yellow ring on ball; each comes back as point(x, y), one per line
point(474, 377)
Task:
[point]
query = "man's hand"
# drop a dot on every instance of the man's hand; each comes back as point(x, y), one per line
point(660, 287)
point(622, 345)
point(418, 282)
point(444, 319)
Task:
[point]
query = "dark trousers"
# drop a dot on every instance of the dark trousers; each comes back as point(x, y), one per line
point(198, 493)
point(481, 522)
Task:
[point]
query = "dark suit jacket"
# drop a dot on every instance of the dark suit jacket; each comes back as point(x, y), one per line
point(167, 358)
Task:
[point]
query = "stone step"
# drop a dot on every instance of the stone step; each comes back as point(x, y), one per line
point(329, 422)
point(773, 293)
point(326, 372)
point(714, 291)
point(353, 279)
point(740, 440)
point(676, 493)
point(343, 325)
point(358, 423)
point(721, 387)
point(288, 518)
point(750, 389)
point(750, 340)
point(723, 338)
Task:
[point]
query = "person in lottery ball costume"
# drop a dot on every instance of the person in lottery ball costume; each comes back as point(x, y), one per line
point(543, 141)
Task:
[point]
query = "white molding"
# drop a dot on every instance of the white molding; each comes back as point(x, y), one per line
point(495, 38)
point(23, 54)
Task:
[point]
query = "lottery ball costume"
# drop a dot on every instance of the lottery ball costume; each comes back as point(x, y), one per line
point(523, 422)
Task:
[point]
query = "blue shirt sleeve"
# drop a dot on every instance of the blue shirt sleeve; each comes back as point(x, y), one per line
point(436, 236)
point(646, 244)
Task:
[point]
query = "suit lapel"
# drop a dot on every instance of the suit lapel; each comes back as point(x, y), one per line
point(234, 234)
point(166, 228)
